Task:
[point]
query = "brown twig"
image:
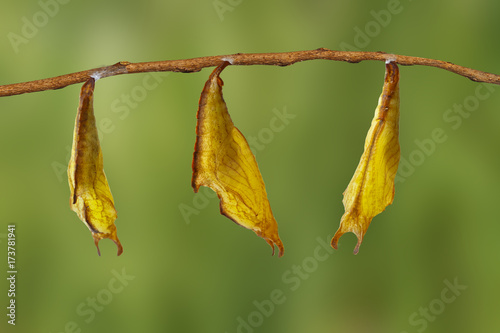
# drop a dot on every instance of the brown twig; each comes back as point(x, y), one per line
point(242, 59)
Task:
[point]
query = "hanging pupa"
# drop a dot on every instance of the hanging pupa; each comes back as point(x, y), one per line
point(223, 161)
point(91, 196)
point(371, 189)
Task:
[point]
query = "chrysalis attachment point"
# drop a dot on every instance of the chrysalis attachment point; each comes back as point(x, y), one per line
point(228, 59)
point(97, 75)
point(390, 58)
point(118, 68)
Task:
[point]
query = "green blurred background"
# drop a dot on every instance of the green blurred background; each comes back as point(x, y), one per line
point(203, 273)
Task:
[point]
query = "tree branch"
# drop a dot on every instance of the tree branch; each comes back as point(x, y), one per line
point(241, 59)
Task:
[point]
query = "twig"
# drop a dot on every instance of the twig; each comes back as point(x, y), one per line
point(242, 59)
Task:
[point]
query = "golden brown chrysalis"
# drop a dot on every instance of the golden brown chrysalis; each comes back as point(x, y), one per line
point(224, 162)
point(371, 189)
point(90, 197)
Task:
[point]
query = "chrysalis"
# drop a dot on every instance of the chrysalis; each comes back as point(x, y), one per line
point(90, 197)
point(371, 188)
point(224, 162)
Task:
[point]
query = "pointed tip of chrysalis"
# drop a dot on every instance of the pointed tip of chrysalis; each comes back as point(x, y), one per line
point(120, 248)
point(350, 223)
point(335, 241)
point(96, 242)
point(278, 243)
point(356, 249)
point(98, 236)
point(336, 237)
point(338, 234)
